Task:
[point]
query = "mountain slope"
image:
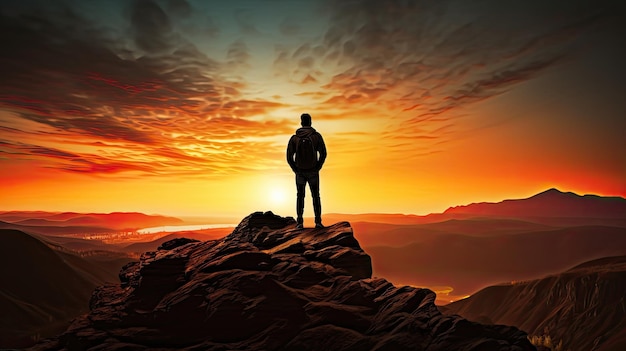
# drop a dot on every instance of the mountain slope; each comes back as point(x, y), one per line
point(45, 284)
point(39, 291)
point(584, 308)
point(269, 286)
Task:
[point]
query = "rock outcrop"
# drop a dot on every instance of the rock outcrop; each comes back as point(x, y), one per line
point(268, 286)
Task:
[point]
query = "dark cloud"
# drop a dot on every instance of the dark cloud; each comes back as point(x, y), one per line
point(152, 30)
point(289, 27)
point(238, 55)
point(425, 59)
point(43, 151)
point(461, 44)
point(180, 8)
point(73, 162)
point(92, 165)
point(85, 85)
point(245, 20)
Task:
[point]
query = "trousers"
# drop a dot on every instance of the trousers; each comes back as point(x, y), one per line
point(313, 178)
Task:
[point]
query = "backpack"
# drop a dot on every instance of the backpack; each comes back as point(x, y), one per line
point(306, 156)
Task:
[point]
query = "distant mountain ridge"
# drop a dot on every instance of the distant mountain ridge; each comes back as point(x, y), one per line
point(550, 203)
point(113, 220)
point(546, 207)
point(53, 229)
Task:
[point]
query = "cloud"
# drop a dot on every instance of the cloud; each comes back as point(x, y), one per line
point(127, 101)
point(73, 162)
point(180, 8)
point(147, 91)
point(151, 27)
point(245, 21)
point(289, 27)
point(423, 59)
point(238, 56)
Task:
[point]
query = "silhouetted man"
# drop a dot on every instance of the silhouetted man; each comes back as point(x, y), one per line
point(306, 154)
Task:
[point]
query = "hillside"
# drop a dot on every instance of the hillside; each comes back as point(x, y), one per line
point(468, 263)
point(583, 308)
point(44, 288)
point(398, 235)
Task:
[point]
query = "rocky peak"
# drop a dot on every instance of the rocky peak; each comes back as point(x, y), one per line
point(269, 286)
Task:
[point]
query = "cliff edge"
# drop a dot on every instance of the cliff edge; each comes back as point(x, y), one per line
point(268, 286)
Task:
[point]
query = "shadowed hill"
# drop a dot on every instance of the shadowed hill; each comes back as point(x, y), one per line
point(41, 291)
point(583, 308)
point(268, 286)
point(468, 263)
point(395, 235)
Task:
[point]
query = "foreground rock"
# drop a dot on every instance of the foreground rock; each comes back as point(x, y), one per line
point(268, 286)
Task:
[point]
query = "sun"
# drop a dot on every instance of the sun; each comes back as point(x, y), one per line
point(277, 196)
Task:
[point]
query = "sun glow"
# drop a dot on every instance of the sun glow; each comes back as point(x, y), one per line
point(277, 196)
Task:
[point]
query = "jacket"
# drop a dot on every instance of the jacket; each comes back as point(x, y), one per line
point(318, 143)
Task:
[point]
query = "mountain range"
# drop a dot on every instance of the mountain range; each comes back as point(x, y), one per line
point(111, 221)
point(467, 250)
point(550, 203)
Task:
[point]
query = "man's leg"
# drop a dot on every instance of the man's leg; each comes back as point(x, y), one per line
point(314, 184)
point(300, 187)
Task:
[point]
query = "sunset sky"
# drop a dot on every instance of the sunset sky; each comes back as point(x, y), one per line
point(185, 107)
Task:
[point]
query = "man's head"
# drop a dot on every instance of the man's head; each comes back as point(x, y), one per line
point(305, 120)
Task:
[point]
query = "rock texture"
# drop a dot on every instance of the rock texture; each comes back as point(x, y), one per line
point(268, 286)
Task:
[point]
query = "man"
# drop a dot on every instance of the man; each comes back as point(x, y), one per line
point(306, 154)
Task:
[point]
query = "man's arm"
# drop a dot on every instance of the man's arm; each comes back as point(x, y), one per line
point(291, 150)
point(321, 148)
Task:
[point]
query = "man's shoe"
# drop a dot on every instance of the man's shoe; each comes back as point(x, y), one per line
point(319, 225)
point(299, 222)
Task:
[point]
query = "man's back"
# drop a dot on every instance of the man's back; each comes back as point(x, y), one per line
point(306, 132)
